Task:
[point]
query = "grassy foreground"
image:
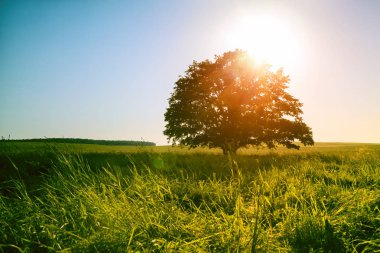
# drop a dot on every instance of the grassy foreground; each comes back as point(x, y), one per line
point(88, 199)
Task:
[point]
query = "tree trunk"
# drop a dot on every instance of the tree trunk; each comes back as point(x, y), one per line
point(229, 150)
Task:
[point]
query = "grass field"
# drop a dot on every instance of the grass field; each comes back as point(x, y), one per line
point(92, 198)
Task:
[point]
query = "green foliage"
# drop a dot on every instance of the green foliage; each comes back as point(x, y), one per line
point(87, 141)
point(231, 103)
point(311, 201)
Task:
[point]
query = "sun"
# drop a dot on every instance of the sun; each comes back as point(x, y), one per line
point(268, 39)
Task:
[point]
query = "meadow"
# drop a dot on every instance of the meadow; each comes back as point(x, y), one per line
point(94, 198)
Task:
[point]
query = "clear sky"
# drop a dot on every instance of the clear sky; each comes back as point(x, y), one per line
point(105, 69)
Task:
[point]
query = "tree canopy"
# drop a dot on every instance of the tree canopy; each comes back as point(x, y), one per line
point(232, 102)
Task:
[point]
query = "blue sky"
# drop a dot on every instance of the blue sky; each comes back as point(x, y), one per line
point(105, 69)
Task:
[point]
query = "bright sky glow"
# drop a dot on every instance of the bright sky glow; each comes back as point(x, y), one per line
point(268, 38)
point(105, 69)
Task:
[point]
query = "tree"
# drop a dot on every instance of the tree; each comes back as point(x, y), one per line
point(233, 102)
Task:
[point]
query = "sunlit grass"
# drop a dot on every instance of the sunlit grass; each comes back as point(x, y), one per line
point(23, 147)
point(325, 199)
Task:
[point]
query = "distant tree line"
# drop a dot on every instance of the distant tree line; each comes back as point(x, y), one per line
point(87, 141)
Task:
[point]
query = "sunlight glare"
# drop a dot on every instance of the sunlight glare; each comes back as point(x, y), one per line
point(267, 38)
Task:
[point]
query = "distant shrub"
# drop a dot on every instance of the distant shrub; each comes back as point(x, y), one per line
point(89, 141)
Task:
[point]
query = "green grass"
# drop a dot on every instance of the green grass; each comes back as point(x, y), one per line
point(78, 198)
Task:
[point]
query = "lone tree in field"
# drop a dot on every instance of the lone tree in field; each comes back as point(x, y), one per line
point(232, 102)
